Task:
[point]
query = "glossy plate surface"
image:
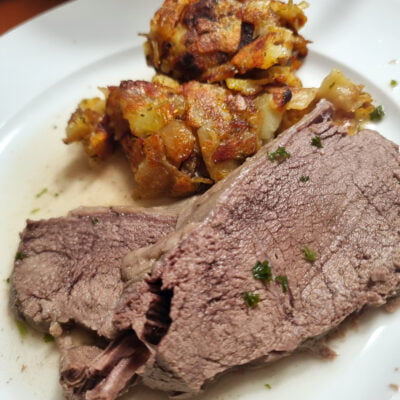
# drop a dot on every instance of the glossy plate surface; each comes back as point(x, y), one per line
point(50, 63)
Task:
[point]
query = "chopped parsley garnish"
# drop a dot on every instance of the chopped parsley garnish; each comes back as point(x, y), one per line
point(309, 254)
point(280, 154)
point(251, 299)
point(283, 280)
point(35, 210)
point(262, 271)
point(22, 329)
point(56, 194)
point(268, 386)
point(20, 256)
point(95, 221)
point(8, 280)
point(377, 114)
point(304, 178)
point(47, 338)
point(393, 83)
point(41, 193)
point(316, 141)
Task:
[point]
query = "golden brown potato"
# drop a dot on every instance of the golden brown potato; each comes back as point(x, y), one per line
point(87, 125)
point(211, 40)
point(180, 137)
point(147, 119)
point(192, 129)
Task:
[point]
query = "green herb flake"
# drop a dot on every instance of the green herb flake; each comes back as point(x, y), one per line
point(268, 386)
point(262, 271)
point(304, 178)
point(47, 338)
point(41, 193)
point(56, 194)
point(20, 256)
point(377, 114)
point(309, 254)
point(251, 299)
point(8, 280)
point(95, 221)
point(279, 155)
point(35, 210)
point(22, 329)
point(393, 83)
point(316, 141)
point(283, 280)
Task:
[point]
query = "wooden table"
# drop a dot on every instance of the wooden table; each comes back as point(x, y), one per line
point(13, 12)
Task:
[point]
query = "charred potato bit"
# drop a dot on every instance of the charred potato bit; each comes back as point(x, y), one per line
point(212, 40)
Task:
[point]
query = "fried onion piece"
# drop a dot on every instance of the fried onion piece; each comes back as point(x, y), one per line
point(353, 105)
point(212, 40)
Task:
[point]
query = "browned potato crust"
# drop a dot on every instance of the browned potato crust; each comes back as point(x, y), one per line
point(88, 125)
point(211, 40)
point(180, 137)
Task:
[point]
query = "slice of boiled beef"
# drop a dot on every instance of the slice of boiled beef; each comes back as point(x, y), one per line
point(67, 270)
point(320, 207)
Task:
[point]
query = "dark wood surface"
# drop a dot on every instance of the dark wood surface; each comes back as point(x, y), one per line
point(14, 12)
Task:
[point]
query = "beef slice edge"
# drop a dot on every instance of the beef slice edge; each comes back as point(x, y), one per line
point(68, 269)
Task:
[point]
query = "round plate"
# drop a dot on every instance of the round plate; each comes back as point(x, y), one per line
point(53, 61)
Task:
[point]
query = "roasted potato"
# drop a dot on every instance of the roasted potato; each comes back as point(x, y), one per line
point(88, 126)
point(180, 137)
point(212, 40)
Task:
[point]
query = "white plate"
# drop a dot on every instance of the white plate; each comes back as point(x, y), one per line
point(53, 61)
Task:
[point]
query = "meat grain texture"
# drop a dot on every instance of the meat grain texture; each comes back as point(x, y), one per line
point(348, 213)
point(68, 268)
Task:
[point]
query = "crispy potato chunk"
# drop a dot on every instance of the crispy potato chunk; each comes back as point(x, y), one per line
point(146, 118)
point(212, 40)
point(145, 106)
point(275, 47)
point(224, 124)
point(87, 125)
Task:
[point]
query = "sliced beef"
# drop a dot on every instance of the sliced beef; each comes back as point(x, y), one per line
point(68, 269)
point(326, 219)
